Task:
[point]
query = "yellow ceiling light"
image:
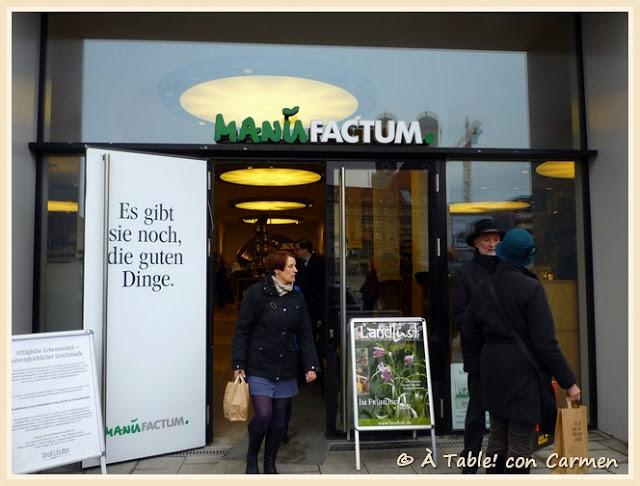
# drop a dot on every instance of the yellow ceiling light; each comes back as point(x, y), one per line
point(270, 205)
point(558, 169)
point(263, 97)
point(62, 206)
point(487, 206)
point(274, 220)
point(270, 176)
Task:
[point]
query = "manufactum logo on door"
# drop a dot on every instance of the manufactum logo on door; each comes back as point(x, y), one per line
point(135, 427)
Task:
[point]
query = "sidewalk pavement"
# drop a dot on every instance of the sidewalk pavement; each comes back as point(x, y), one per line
point(376, 458)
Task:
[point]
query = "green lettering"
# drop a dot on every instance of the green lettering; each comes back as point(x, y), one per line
point(248, 129)
point(109, 431)
point(117, 430)
point(298, 132)
point(271, 133)
point(428, 138)
point(222, 130)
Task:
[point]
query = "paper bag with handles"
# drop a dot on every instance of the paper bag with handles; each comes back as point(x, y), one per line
point(571, 438)
point(236, 400)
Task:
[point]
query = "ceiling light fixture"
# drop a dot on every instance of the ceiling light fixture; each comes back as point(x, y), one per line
point(486, 206)
point(62, 206)
point(263, 97)
point(557, 169)
point(280, 220)
point(270, 176)
point(270, 204)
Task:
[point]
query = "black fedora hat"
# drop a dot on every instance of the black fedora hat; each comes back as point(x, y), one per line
point(486, 225)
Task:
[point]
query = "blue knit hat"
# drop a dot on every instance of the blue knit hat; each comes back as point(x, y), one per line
point(517, 247)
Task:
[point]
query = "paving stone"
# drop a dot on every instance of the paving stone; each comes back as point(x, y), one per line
point(621, 469)
point(203, 468)
point(155, 471)
point(236, 467)
point(597, 445)
point(166, 463)
point(434, 470)
point(617, 445)
point(297, 469)
point(540, 470)
point(376, 468)
point(610, 454)
point(341, 463)
point(201, 459)
point(119, 468)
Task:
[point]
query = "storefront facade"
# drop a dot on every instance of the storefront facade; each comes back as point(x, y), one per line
point(508, 107)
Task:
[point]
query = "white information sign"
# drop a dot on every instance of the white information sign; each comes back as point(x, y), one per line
point(460, 397)
point(55, 405)
point(390, 376)
point(156, 249)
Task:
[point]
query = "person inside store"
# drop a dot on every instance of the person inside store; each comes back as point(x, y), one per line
point(272, 333)
point(223, 287)
point(370, 290)
point(483, 239)
point(509, 331)
point(310, 280)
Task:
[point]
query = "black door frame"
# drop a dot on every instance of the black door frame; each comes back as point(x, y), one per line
point(301, 153)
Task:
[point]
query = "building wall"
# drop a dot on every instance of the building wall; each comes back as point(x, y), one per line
point(25, 59)
point(606, 88)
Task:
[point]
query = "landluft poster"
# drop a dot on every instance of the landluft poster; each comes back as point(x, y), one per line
point(391, 371)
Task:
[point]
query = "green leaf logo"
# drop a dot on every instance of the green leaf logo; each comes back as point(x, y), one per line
point(287, 112)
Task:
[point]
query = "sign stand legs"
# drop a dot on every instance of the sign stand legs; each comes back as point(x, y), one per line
point(433, 444)
point(357, 437)
point(103, 464)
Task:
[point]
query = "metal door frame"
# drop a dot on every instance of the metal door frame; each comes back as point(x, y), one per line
point(436, 215)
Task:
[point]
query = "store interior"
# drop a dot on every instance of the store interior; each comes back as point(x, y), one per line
point(290, 208)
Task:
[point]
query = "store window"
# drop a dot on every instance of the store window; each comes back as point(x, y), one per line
point(61, 258)
point(474, 80)
point(542, 197)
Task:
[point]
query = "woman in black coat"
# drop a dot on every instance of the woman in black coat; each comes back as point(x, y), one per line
point(272, 332)
point(511, 385)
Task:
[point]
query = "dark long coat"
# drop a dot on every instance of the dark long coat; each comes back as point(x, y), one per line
point(465, 279)
point(272, 333)
point(310, 279)
point(511, 387)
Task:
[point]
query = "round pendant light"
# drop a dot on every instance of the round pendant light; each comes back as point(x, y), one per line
point(279, 220)
point(270, 176)
point(557, 169)
point(270, 204)
point(486, 206)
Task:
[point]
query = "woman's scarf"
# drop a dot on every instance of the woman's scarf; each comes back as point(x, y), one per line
point(280, 287)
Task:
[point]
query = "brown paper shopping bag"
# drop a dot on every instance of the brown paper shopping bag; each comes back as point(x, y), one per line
point(236, 400)
point(571, 440)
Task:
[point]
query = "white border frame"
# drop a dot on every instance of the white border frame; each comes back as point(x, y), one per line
point(354, 388)
point(96, 394)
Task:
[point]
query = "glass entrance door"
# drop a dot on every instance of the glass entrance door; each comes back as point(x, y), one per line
point(383, 258)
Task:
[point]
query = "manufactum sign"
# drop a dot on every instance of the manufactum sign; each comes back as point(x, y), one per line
point(349, 131)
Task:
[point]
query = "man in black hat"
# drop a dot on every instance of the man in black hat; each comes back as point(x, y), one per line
point(484, 239)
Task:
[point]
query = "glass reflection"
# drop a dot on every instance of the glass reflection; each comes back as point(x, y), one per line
point(550, 215)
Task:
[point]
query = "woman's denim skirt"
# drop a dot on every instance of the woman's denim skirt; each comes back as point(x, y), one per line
point(273, 389)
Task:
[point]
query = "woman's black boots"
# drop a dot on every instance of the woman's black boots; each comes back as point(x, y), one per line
point(255, 441)
point(271, 446)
